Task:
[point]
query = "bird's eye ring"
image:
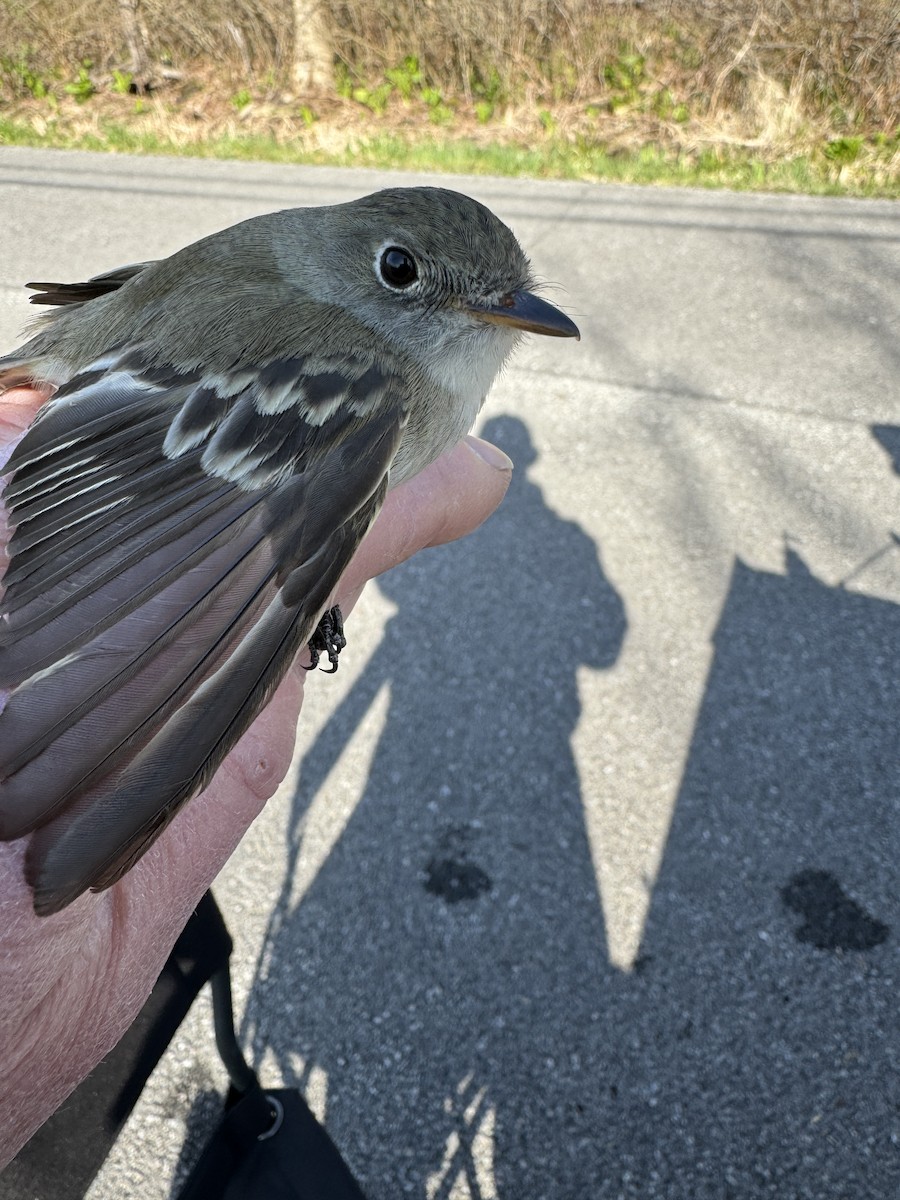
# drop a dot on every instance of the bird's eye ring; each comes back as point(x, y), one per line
point(397, 267)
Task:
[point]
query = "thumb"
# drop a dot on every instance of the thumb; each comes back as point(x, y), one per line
point(17, 410)
point(446, 501)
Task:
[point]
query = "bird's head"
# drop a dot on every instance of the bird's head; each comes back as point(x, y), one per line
point(432, 272)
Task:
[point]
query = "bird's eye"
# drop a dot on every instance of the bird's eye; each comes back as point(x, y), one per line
point(398, 267)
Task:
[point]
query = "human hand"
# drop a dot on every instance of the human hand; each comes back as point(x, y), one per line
point(71, 984)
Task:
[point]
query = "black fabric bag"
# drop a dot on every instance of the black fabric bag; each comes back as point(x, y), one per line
point(270, 1147)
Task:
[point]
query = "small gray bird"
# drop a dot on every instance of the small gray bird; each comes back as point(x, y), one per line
point(226, 424)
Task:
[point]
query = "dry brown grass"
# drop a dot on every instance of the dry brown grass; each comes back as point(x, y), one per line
point(833, 57)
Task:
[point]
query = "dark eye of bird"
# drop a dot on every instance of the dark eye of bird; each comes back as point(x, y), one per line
point(398, 267)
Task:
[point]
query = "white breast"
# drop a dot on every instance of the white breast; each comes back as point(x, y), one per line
point(467, 366)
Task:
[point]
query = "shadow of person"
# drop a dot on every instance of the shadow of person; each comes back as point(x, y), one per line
point(765, 1010)
point(454, 936)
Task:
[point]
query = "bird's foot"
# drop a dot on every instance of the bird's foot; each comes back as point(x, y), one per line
point(328, 639)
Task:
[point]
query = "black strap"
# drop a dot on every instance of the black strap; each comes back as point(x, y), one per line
point(268, 1145)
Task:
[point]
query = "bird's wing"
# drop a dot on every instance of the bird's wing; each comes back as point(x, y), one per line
point(176, 538)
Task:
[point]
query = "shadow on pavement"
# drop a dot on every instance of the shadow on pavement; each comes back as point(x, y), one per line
point(759, 1046)
point(448, 969)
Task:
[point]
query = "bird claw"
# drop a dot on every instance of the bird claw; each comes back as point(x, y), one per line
point(328, 639)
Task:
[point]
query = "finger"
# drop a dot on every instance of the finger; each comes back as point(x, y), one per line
point(17, 409)
point(446, 501)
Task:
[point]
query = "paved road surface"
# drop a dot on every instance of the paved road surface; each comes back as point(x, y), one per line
point(584, 882)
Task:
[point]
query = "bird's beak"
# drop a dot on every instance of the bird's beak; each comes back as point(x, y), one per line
point(523, 310)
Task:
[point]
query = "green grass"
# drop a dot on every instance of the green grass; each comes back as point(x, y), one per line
point(873, 171)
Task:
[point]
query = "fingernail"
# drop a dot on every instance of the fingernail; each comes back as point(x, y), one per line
point(489, 453)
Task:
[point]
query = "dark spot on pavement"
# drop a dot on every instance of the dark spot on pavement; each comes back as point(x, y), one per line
point(450, 873)
point(832, 921)
point(455, 879)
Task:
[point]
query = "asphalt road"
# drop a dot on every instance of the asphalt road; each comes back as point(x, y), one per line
point(584, 883)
